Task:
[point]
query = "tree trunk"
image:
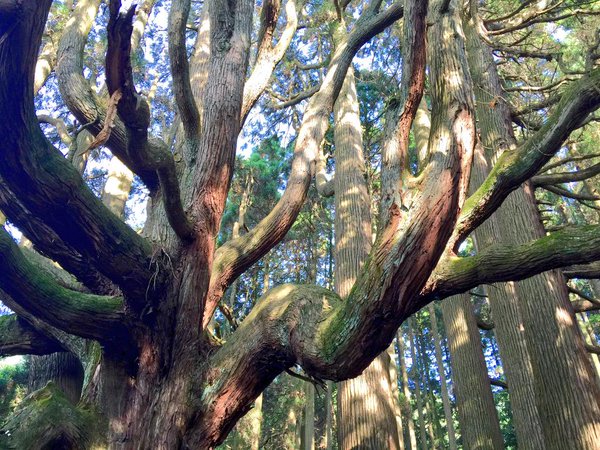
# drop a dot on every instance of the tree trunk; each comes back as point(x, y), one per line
point(407, 407)
point(365, 404)
point(396, 394)
point(309, 417)
point(477, 413)
point(566, 390)
point(415, 372)
point(63, 369)
point(443, 381)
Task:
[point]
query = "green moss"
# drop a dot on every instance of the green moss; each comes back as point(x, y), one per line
point(46, 419)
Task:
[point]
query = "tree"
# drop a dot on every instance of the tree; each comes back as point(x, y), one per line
point(139, 318)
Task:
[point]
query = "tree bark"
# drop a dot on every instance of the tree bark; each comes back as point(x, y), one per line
point(406, 407)
point(365, 404)
point(477, 413)
point(443, 381)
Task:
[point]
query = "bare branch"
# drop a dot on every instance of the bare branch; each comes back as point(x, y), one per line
point(135, 114)
point(566, 177)
point(78, 96)
point(268, 55)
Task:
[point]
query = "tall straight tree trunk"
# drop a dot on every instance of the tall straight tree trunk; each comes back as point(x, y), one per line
point(566, 389)
point(365, 404)
point(396, 394)
point(443, 381)
point(309, 417)
point(477, 413)
point(428, 395)
point(406, 407)
point(416, 379)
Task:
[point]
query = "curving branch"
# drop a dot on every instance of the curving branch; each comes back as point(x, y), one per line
point(17, 337)
point(235, 256)
point(311, 326)
point(517, 165)
point(36, 292)
point(45, 183)
point(134, 111)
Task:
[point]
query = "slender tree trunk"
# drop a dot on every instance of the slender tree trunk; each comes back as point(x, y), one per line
point(309, 417)
point(407, 408)
point(443, 381)
point(396, 394)
point(365, 403)
point(477, 413)
point(428, 395)
point(416, 379)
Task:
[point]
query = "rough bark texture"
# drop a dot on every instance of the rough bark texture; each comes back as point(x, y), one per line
point(366, 416)
point(477, 413)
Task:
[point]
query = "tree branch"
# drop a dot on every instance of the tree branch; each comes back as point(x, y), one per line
point(17, 337)
point(566, 177)
point(44, 181)
point(235, 256)
point(77, 93)
point(180, 69)
point(134, 111)
point(576, 245)
point(517, 165)
point(584, 271)
point(86, 315)
point(268, 55)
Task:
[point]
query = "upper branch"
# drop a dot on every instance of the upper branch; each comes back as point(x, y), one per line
point(79, 97)
point(134, 111)
point(268, 55)
point(235, 256)
point(35, 291)
point(44, 181)
point(180, 69)
point(517, 165)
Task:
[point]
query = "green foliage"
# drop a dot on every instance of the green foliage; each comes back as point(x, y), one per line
point(13, 383)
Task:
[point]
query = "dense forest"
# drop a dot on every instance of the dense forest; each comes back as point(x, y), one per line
point(300, 224)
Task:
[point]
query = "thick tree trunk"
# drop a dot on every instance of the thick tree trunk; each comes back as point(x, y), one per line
point(365, 403)
point(477, 413)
